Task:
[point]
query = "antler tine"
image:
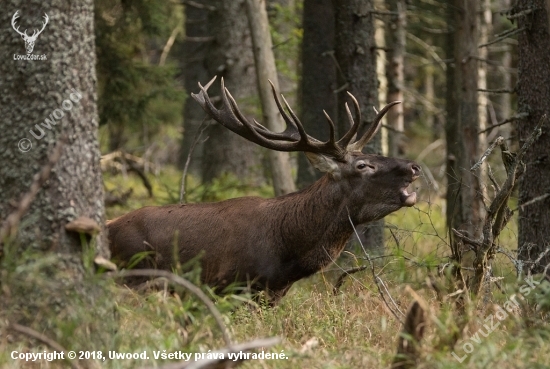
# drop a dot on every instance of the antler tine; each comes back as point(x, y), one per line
point(289, 122)
point(346, 139)
point(373, 129)
point(332, 136)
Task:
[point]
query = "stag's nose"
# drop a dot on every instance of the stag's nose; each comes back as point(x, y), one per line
point(416, 169)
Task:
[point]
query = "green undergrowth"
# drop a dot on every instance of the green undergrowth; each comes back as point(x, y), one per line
point(74, 305)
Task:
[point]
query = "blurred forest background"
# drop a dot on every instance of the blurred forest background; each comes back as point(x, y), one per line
point(472, 76)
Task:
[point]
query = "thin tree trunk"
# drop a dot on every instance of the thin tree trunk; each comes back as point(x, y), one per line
point(464, 204)
point(381, 61)
point(396, 34)
point(318, 78)
point(266, 71)
point(355, 52)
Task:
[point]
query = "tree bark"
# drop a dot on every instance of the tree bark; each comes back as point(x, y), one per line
point(534, 98)
point(230, 56)
point(266, 71)
point(318, 78)
point(355, 52)
point(61, 89)
point(464, 206)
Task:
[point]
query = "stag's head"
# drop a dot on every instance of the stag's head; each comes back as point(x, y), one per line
point(29, 40)
point(372, 186)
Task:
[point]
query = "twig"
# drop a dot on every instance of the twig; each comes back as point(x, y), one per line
point(532, 201)
point(520, 14)
point(42, 338)
point(497, 91)
point(429, 48)
point(343, 276)
point(9, 226)
point(506, 35)
point(184, 283)
point(497, 142)
point(202, 127)
point(508, 120)
point(168, 46)
point(378, 281)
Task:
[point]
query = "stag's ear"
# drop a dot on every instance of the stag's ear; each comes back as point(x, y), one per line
point(324, 163)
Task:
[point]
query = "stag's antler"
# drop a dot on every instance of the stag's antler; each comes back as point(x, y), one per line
point(294, 137)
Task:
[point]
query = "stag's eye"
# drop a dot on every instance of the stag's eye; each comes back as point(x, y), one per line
point(362, 165)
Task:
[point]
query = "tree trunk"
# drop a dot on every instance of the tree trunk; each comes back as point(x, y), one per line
point(355, 53)
point(464, 206)
point(534, 98)
point(396, 34)
point(198, 40)
point(44, 100)
point(266, 71)
point(318, 78)
point(230, 57)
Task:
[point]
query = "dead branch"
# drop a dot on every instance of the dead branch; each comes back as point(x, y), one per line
point(120, 161)
point(520, 14)
point(532, 201)
point(497, 91)
point(42, 338)
point(503, 36)
point(496, 214)
point(198, 135)
point(9, 226)
point(508, 120)
point(497, 142)
point(184, 283)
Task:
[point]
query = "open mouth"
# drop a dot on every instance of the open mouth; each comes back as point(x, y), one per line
point(408, 199)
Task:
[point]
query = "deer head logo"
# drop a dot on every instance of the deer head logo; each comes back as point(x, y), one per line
point(29, 40)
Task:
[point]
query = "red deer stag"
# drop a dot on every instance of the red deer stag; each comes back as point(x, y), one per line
point(274, 242)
